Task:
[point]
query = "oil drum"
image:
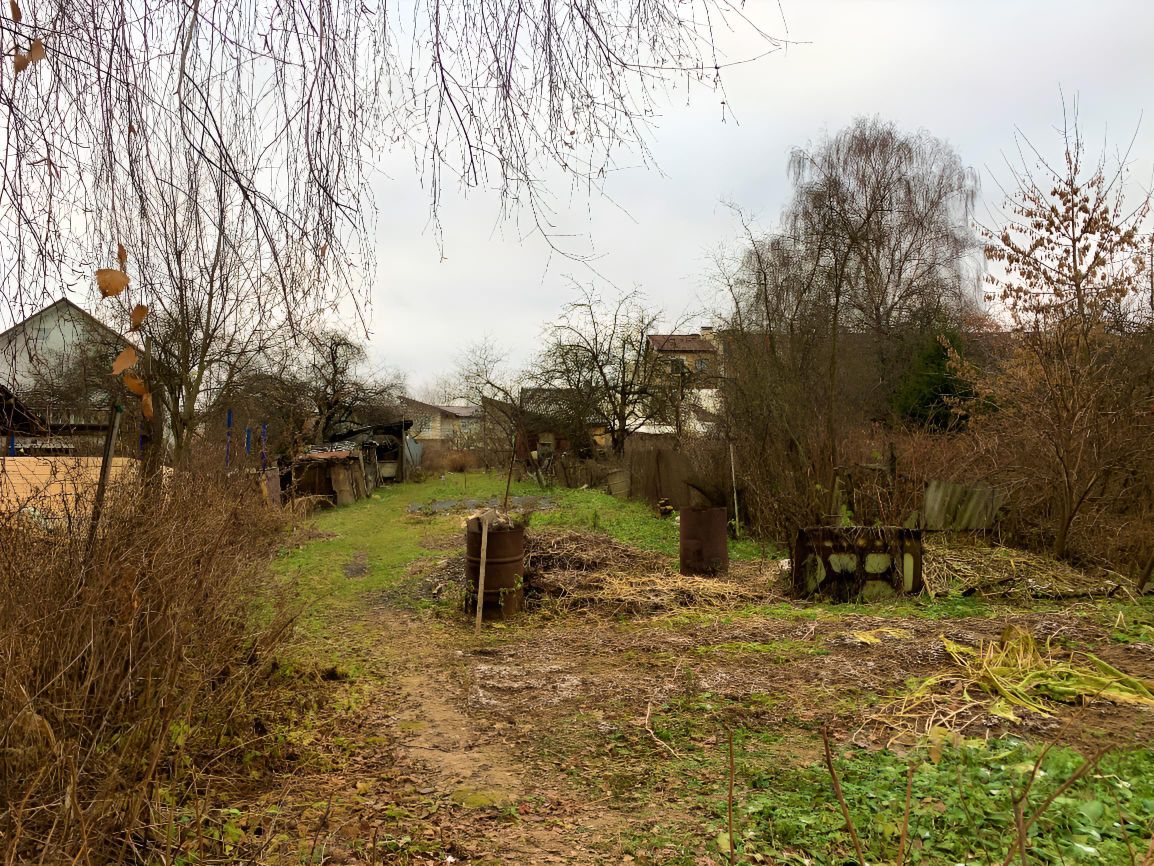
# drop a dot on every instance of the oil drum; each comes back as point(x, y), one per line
point(704, 546)
point(504, 567)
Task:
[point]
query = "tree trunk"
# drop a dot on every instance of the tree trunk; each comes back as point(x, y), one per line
point(619, 443)
point(1062, 531)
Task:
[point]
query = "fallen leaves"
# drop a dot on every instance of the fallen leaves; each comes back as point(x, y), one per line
point(146, 405)
point(111, 282)
point(122, 256)
point(17, 15)
point(136, 318)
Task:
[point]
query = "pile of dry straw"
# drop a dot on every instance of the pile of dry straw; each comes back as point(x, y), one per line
point(585, 570)
point(1006, 572)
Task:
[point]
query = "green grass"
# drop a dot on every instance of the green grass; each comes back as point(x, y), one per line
point(388, 537)
point(961, 809)
point(785, 804)
point(380, 538)
point(630, 521)
point(961, 806)
point(1130, 622)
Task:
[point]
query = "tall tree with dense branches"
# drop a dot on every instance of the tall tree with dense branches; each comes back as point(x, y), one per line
point(1072, 406)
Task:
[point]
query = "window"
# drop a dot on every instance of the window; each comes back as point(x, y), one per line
point(700, 365)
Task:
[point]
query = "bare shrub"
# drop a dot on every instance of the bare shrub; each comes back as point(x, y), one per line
point(1065, 420)
point(450, 460)
point(127, 672)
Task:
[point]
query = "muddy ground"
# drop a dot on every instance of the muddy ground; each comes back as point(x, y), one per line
point(590, 736)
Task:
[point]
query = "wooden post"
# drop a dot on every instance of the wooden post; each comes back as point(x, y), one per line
point(404, 448)
point(481, 574)
point(733, 479)
point(114, 414)
point(227, 438)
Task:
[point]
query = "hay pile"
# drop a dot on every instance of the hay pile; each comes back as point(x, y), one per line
point(1006, 572)
point(586, 570)
point(548, 551)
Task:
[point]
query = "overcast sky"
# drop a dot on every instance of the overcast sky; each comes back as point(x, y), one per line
point(964, 70)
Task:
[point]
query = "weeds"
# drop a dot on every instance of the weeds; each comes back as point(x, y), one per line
point(1006, 676)
point(129, 675)
point(954, 804)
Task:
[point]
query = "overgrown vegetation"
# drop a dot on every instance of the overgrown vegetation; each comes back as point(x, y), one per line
point(131, 673)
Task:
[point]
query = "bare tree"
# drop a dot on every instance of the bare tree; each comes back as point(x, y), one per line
point(598, 363)
point(483, 377)
point(286, 100)
point(343, 391)
point(213, 309)
point(874, 251)
point(885, 217)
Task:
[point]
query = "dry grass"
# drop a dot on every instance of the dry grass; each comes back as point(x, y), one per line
point(1005, 678)
point(586, 570)
point(128, 671)
point(1010, 573)
point(549, 550)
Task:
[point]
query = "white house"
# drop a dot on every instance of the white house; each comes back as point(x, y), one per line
point(42, 347)
point(443, 426)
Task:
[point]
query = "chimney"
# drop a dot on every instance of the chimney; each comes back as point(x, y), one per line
point(707, 330)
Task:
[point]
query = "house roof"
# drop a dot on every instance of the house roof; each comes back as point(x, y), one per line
point(461, 411)
point(456, 411)
point(69, 305)
point(681, 343)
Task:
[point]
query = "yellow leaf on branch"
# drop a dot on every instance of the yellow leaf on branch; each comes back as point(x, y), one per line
point(135, 384)
point(124, 360)
point(111, 282)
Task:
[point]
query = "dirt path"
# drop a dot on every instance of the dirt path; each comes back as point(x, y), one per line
point(534, 744)
point(497, 806)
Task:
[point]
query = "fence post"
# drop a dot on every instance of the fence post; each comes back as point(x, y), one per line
point(227, 439)
point(114, 414)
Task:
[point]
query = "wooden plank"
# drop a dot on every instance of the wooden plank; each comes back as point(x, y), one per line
point(55, 485)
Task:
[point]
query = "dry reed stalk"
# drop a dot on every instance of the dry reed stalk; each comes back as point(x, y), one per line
point(1012, 673)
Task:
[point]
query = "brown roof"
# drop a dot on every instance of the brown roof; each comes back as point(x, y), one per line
point(681, 343)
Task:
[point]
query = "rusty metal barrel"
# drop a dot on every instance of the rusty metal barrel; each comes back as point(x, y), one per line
point(504, 568)
point(704, 544)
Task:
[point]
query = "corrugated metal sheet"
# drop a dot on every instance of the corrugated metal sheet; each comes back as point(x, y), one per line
point(960, 507)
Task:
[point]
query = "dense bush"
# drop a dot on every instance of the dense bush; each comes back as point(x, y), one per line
point(127, 671)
